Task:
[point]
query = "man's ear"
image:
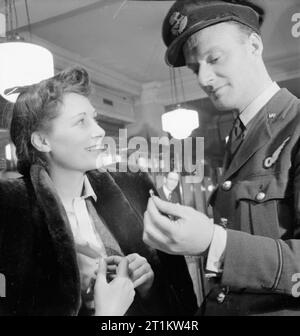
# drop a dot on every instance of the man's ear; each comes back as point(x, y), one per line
point(40, 142)
point(256, 44)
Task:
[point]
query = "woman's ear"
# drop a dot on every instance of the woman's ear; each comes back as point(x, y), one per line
point(40, 142)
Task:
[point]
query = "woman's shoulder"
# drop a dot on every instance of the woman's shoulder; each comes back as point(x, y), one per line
point(12, 187)
point(123, 172)
point(134, 183)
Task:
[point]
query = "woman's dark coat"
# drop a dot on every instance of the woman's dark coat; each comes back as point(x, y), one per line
point(38, 258)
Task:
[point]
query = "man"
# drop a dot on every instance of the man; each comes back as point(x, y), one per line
point(167, 190)
point(252, 246)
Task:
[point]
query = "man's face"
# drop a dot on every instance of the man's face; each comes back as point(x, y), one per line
point(221, 58)
point(172, 181)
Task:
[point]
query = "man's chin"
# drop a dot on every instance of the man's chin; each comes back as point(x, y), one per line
point(222, 106)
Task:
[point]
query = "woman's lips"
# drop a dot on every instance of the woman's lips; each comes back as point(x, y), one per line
point(101, 148)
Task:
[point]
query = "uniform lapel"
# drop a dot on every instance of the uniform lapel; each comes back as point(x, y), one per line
point(260, 131)
point(258, 135)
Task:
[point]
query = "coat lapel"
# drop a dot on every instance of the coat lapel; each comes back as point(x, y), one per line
point(61, 235)
point(120, 216)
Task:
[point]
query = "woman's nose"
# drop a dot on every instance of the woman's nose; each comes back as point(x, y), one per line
point(98, 131)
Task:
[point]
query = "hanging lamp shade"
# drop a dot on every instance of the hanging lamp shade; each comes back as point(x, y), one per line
point(180, 122)
point(21, 64)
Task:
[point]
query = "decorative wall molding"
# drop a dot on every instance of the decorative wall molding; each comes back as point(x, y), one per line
point(113, 94)
point(100, 75)
point(280, 68)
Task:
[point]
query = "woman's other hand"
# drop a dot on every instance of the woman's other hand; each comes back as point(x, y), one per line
point(114, 298)
point(140, 271)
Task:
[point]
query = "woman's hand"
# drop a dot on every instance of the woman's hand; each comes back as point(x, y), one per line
point(140, 271)
point(114, 298)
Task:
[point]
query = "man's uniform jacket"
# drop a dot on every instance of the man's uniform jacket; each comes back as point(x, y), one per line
point(37, 253)
point(259, 195)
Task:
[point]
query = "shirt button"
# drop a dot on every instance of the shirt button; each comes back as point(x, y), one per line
point(260, 196)
point(227, 185)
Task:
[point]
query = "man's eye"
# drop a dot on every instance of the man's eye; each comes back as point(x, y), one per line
point(80, 122)
point(214, 60)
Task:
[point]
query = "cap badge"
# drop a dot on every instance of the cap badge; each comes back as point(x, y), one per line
point(272, 115)
point(178, 23)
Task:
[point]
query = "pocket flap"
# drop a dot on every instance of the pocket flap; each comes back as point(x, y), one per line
point(262, 190)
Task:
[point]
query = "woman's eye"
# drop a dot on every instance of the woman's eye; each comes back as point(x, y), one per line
point(81, 121)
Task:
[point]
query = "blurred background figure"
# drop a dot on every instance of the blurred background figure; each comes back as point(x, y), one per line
point(168, 191)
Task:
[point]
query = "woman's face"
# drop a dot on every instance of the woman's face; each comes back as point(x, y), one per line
point(75, 138)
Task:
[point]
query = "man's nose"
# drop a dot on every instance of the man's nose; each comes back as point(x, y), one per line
point(205, 75)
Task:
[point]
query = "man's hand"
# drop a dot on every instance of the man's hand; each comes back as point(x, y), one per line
point(190, 234)
point(114, 298)
point(140, 271)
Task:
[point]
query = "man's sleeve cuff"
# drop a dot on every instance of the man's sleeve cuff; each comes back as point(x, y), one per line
point(216, 251)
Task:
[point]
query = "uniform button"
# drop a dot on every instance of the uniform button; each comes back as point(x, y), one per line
point(260, 196)
point(227, 185)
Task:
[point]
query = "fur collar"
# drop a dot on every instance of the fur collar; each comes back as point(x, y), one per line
point(122, 215)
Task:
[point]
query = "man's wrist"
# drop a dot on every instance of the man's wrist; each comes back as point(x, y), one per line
point(216, 251)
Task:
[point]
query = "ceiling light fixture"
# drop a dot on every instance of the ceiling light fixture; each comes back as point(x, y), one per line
point(21, 63)
point(179, 122)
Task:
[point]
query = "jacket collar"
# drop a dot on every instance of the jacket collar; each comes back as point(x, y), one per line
point(260, 131)
point(258, 103)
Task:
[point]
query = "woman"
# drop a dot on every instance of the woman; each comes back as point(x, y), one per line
point(63, 216)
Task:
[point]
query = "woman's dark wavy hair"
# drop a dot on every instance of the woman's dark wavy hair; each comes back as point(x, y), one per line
point(36, 106)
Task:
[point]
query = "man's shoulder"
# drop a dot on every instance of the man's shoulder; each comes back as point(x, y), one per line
point(284, 112)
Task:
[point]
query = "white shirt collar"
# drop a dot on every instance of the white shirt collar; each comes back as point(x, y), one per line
point(88, 191)
point(260, 101)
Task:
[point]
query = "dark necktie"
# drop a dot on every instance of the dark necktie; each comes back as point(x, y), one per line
point(236, 138)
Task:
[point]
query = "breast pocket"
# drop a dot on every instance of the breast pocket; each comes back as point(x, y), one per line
point(269, 206)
